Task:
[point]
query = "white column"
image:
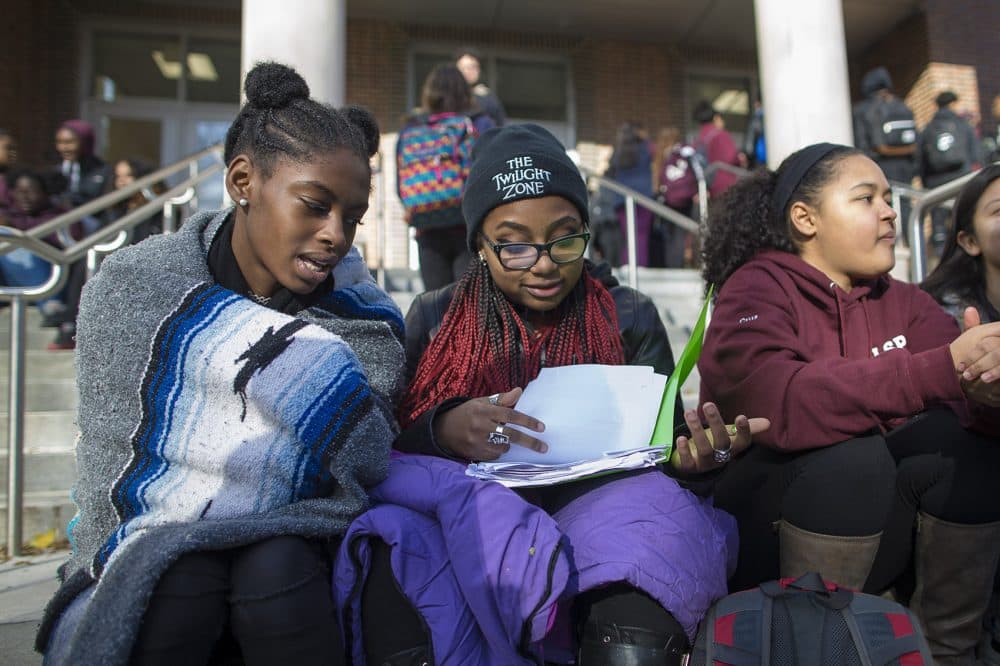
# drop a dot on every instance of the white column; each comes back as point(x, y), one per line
point(803, 72)
point(309, 35)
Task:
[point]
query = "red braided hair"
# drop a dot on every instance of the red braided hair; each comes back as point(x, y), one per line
point(483, 346)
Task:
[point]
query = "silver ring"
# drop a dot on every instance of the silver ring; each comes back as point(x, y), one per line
point(497, 437)
point(722, 455)
point(494, 399)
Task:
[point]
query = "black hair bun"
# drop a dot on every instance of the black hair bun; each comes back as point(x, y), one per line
point(362, 118)
point(271, 85)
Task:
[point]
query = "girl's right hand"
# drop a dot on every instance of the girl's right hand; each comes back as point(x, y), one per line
point(464, 431)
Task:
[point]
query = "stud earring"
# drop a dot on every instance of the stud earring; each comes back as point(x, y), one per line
point(243, 202)
point(482, 257)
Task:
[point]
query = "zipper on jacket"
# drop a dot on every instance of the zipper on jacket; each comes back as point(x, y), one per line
point(526, 629)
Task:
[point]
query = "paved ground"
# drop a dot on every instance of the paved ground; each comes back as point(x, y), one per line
point(26, 583)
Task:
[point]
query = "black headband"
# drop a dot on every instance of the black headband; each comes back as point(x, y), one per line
point(794, 169)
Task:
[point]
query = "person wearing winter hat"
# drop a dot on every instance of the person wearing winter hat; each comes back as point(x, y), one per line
point(530, 299)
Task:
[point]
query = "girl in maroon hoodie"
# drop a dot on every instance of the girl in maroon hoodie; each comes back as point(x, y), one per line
point(881, 457)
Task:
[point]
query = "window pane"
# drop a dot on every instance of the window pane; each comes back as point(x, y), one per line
point(213, 71)
point(132, 137)
point(532, 90)
point(133, 65)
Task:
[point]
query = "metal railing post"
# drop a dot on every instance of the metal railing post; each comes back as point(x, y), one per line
point(15, 429)
point(918, 258)
point(193, 173)
point(633, 270)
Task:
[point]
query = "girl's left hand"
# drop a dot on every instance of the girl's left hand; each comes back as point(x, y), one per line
point(696, 454)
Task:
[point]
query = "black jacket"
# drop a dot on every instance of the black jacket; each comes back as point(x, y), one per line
point(644, 340)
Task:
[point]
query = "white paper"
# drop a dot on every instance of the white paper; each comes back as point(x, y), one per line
point(589, 410)
point(517, 475)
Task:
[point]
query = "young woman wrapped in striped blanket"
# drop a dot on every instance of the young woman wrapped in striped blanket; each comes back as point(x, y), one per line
point(237, 383)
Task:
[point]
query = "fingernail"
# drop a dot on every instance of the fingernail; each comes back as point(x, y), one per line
point(690, 415)
point(987, 377)
point(967, 375)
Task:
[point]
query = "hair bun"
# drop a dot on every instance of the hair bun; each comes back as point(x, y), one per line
point(361, 118)
point(271, 85)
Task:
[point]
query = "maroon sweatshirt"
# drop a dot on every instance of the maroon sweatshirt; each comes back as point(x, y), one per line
point(824, 365)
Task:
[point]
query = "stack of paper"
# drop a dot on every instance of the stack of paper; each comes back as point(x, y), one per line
point(514, 474)
point(599, 419)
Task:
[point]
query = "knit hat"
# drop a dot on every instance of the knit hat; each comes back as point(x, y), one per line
point(517, 162)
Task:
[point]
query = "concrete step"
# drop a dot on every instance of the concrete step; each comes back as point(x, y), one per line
point(42, 511)
point(55, 429)
point(44, 471)
point(41, 364)
point(43, 395)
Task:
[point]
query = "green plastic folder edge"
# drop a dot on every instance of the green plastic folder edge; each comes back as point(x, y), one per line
point(663, 431)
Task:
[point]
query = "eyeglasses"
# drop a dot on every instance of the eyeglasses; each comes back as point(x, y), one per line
point(522, 256)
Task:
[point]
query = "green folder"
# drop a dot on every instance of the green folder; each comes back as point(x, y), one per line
point(663, 431)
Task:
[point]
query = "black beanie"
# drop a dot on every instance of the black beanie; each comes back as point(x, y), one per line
point(518, 162)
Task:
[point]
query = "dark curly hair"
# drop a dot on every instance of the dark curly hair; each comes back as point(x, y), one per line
point(279, 119)
point(959, 273)
point(742, 222)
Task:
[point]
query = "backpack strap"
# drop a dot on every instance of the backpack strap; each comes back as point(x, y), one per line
point(869, 615)
point(721, 647)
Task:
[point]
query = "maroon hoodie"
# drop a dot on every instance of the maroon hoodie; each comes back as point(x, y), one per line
point(824, 365)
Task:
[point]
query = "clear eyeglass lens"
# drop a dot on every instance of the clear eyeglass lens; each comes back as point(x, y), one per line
point(518, 256)
point(568, 250)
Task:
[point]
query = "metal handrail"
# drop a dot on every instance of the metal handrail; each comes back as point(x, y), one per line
point(632, 197)
point(101, 241)
point(927, 200)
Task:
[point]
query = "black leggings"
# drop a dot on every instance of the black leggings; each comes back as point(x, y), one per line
point(861, 487)
point(274, 597)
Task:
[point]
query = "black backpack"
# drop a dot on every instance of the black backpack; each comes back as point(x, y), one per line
point(811, 622)
point(891, 123)
point(944, 147)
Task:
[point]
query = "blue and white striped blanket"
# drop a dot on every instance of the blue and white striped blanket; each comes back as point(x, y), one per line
point(208, 421)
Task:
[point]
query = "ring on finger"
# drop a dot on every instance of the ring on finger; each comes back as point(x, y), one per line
point(722, 455)
point(494, 399)
point(498, 437)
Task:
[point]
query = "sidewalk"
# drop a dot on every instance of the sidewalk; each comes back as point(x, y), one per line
point(26, 584)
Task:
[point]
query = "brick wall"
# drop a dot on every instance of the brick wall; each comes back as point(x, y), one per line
point(904, 51)
point(41, 56)
point(38, 59)
point(968, 33)
point(937, 78)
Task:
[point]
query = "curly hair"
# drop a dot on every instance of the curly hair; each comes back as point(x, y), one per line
point(742, 221)
point(280, 119)
point(958, 272)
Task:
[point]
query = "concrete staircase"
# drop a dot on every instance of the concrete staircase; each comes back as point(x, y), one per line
point(49, 430)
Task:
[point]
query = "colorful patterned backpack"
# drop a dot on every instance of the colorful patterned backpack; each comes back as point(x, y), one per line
point(432, 162)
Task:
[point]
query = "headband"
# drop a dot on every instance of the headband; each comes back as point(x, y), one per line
point(794, 169)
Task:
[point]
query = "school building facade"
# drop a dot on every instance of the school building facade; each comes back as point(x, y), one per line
point(160, 78)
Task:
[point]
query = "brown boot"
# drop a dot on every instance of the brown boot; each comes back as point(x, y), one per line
point(843, 560)
point(954, 566)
